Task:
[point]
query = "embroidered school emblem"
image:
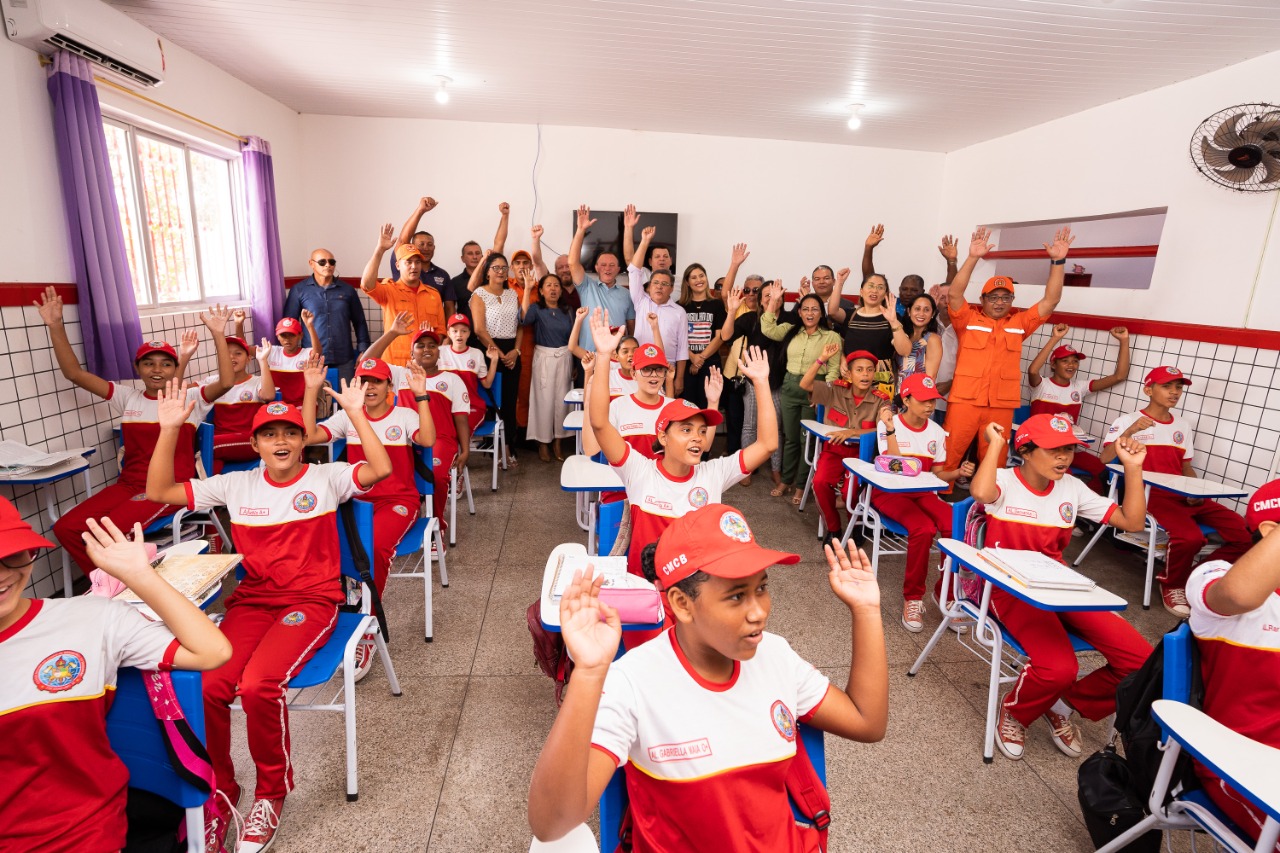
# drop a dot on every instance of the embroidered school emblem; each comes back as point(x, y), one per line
point(698, 497)
point(139, 497)
point(1178, 436)
point(466, 399)
point(1068, 512)
point(1057, 423)
point(246, 396)
point(297, 617)
point(59, 671)
point(689, 405)
point(927, 382)
point(368, 364)
point(304, 501)
point(783, 720)
point(157, 344)
point(735, 527)
point(442, 385)
point(650, 351)
point(401, 510)
point(933, 447)
point(277, 408)
point(471, 363)
point(394, 433)
point(1075, 396)
point(1173, 371)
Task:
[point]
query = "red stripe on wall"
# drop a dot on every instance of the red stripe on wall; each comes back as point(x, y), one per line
point(1095, 252)
point(20, 293)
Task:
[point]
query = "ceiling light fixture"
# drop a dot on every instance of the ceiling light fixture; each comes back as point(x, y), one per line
point(442, 93)
point(854, 121)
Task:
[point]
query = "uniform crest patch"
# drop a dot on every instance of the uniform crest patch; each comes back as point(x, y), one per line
point(1075, 396)
point(400, 509)
point(139, 497)
point(698, 497)
point(442, 385)
point(783, 720)
point(1068, 512)
point(394, 433)
point(297, 617)
point(933, 447)
point(735, 527)
point(158, 344)
point(277, 408)
point(1059, 424)
point(246, 396)
point(1178, 436)
point(59, 671)
point(304, 501)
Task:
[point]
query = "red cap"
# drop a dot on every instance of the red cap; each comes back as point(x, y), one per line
point(292, 325)
point(154, 346)
point(1263, 506)
point(426, 333)
point(1065, 351)
point(1047, 431)
point(1164, 374)
point(459, 318)
point(240, 342)
point(648, 355)
point(15, 534)
point(714, 539)
point(375, 367)
point(277, 411)
point(682, 410)
point(919, 386)
point(860, 353)
point(998, 282)
point(408, 250)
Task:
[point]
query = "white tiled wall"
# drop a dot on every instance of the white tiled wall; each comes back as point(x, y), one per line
point(1233, 404)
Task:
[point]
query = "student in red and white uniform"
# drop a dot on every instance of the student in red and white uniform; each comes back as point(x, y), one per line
point(233, 412)
point(914, 433)
point(1034, 508)
point(125, 501)
point(61, 786)
point(633, 415)
point(469, 363)
point(706, 713)
point(290, 358)
point(284, 521)
point(1235, 616)
point(1169, 442)
point(622, 380)
point(1062, 392)
point(395, 500)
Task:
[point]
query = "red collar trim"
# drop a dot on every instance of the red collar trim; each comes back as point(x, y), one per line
point(1059, 384)
point(371, 419)
point(25, 619)
point(713, 686)
point(635, 398)
point(288, 483)
point(1017, 472)
point(672, 477)
point(909, 428)
point(1154, 418)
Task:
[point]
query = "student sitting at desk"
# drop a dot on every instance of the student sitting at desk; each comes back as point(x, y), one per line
point(718, 685)
point(1235, 614)
point(1034, 508)
point(1169, 440)
point(233, 412)
point(289, 358)
point(634, 415)
point(284, 521)
point(62, 787)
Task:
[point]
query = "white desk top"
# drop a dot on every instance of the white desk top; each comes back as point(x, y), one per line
point(574, 397)
point(922, 482)
point(1187, 487)
point(549, 610)
point(1251, 767)
point(52, 473)
point(818, 428)
point(573, 421)
point(580, 473)
point(1054, 600)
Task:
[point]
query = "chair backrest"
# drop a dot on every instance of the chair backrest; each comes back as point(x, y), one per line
point(1178, 662)
point(204, 441)
point(138, 739)
point(867, 446)
point(821, 413)
point(426, 487)
point(493, 395)
point(364, 524)
point(331, 376)
point(1021, 413)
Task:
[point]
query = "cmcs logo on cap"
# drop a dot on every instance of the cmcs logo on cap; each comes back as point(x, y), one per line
point(735, 527)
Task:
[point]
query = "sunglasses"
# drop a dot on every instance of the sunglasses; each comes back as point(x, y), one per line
point(20, 560)
point(326, 262)
point(750, 291)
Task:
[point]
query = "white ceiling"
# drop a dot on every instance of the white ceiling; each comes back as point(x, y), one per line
point(934, 75)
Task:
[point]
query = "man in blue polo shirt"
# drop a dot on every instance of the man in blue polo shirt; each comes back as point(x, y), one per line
point(432, 275)
point(338, 310)
point(602, 289)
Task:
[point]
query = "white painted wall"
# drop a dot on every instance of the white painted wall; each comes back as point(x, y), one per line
point(795, 204)
point(1132, 155)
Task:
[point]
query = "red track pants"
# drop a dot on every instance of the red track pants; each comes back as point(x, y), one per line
point(829, 482)
point(1185, 539)
point(391, 521)
point(124, 504)
point(924, 515)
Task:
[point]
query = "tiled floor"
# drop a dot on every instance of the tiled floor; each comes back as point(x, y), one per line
point(446, 766)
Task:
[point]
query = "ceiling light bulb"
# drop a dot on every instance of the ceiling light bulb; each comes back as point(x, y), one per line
point(854, 121)
point(442, 93)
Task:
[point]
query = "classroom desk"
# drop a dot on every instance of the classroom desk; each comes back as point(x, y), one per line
point(44, 479)
point(583, 476)
point(990, 635)
point(1187, 487)
point(873, 518)
point(819, 431)
point(193, 547)
point(574, 397)
point(573, 423)
point(899, 483)
point(549, 609)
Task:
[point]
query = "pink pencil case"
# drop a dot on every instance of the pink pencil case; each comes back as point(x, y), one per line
point(907, 466)
point(635, 606)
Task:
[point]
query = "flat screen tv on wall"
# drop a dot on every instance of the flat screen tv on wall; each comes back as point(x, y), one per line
point(606, 235)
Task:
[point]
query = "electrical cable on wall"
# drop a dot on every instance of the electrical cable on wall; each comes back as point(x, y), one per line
point(533, 218)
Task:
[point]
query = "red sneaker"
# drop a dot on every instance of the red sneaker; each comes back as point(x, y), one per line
point(260, 826)
point(1175, 601)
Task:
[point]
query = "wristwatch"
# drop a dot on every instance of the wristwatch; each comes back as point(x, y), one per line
point(1059, 262)
point(421, 398)
point(890, 431)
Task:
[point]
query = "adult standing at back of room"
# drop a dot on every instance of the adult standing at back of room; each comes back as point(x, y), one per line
point(431, 275)
point(338, 312)
point(408, 294)
point(601, 290)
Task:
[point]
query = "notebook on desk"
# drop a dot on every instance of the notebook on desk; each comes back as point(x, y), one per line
point(614, 570)
point(1036, 571)
point(193, 575)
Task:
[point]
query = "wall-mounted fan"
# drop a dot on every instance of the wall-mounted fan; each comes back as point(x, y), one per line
point(1239, 147)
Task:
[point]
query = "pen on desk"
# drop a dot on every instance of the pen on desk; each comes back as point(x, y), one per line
point(155, 564)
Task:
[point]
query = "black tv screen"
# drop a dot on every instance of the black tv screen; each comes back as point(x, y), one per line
point(606, 235)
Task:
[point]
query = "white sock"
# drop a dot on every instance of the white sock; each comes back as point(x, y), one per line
point(1062, 708)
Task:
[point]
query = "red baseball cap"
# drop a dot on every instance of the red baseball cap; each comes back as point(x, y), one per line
point(1047, 431)
point(155, 346)
point(459, 318)
point(15, 534)
point(919, 386)
point(648, 355)
point(682, 410)
point(429, 333)
point(1065, 351)
point(860, 353)
point(1164, 374)
point(375, 367)
point(292, 325)
point(277, 411)
point(998, 282)
point(714, 539)
point(408, 250)
point(240, 342)
point(1264, 505)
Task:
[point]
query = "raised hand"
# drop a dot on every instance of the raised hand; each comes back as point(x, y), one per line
point(314, 373)
point(504, 209)
point(307, 316)
point(400, 325)
point(842, 275)
point(113, 552)
point(1059, 331)
point(753, 363)
point(215, 318)
point(876, 235)
point(886, 416)
point(584, 218)
point(427, 204)
point(948, 248)
point(829, 350)
point(1138, 426)
point(629, 216)
point(535, 234)
point(190, 343)
point(172, 407)
point(582, 312)
point(739, 254)
point(238, 316)
point(606, 341)
point(1131, 452)
point(386, 237)
point(652, 320)
point(890, 306)
point(995, 434)
point(1120, 333)
point(263, 353)
point(967, 468)
point(647, 233)
point(713, 385)
point(978, 245)
point(591, 629)
point(50, 307)
point(733, 300)
point(351, 397)
point(805, 286)
point(1061, 244)
point(851, 577)
point(417, 378)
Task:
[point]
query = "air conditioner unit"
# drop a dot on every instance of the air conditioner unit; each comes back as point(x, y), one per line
point(89, 28)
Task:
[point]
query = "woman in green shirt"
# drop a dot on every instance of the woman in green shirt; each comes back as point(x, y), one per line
point(802, 343)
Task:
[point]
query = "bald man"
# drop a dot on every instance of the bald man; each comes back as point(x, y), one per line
point(338, 309)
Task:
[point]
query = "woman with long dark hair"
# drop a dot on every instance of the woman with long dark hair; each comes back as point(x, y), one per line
point(926, 344)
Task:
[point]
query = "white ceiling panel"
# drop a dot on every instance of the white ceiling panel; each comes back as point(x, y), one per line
point(934, 75)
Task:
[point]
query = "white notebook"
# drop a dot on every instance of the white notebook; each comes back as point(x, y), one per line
point(1035, 570)
point(614, 570)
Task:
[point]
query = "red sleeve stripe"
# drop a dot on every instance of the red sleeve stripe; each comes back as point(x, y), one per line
point(616, 761)
point(191, 497)
point(1110, 511)
point(742, 463)
point(166, 662)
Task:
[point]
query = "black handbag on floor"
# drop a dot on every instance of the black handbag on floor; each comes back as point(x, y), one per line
point(1108, 802)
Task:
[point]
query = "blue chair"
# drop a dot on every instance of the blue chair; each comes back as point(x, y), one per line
point(424, 536)
point(887, 535)
point(491, 431)
point(204, 436)
point(139, 741)
point(337, 656)
point(812, 447)
point(608, 525)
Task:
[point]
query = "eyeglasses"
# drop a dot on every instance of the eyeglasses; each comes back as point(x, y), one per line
point(653, 371)
point(20, 560)
point(990, 297)
point(325, 262)
point(873, 286)
point(499, 270)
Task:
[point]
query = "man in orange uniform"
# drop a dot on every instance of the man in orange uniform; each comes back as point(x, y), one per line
point(410, 294)
point(988, 381)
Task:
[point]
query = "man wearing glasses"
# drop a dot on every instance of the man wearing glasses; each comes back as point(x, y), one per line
point(988, 381)
point(338, 312)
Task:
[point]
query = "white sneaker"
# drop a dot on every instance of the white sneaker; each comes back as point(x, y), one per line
point(912, 611)
point(1011, 737)
point(1066, 737)
point(364, 656)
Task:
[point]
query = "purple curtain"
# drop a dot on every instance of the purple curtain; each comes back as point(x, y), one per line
point(266, 270)
point(108, 311)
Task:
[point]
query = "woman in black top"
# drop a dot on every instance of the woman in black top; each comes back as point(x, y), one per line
point(874, 326)
point(739, 332)
point(706, 317)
